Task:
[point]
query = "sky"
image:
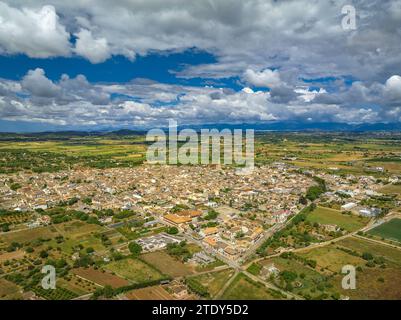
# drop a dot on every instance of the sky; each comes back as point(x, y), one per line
point(94, 65)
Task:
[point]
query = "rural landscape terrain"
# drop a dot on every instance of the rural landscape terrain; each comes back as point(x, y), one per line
point(116, 227)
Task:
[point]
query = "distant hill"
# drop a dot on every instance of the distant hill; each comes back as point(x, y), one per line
point(267, 126)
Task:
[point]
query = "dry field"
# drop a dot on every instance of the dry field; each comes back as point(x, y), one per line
point(19, 254)
point(167, 264)
point(149, 293)
point(101, 278)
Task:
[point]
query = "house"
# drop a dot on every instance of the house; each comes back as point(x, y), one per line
point(269, 270)
point(372, 212)
point(176, 219)
point(202, 258)
point(348, 206)
point(179, 291)
point(330, 227)
point(211, 241)
point(44, 220)
point(208, 231)
point(230, 251)
point(189, 213)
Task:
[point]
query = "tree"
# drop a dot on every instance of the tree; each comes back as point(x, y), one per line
point(90, 250)
point(5, 227)
point(43, 254)
point(135, 248)
point(303, 200)
point(367, 256)
point(172, 230)
point(29, 250)
point(108, 291)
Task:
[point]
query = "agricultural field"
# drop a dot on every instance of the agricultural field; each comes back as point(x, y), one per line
point(134, 270)
point(101, 277)
point(77, 229)
point(167, 264)
point(391, 254)
point(77, 285)
point(390, 230)
point(299, 276)
point(51, 153)
point(347, 222)
point(78, 233)
point(330, 259)
point(214, 281)
point(149, 293)
point(378, 268)
point(9, 291)
point(15, 218)
point(392, 189)
point(15, 255)
point(243, 288)
point(56, 294)
point(29, 235)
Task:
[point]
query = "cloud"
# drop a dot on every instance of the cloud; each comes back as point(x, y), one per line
point(95, 50)
point(271, 45)
point(265, 79)
point(143, 103)
point(35, 32)
point(393, 88)
point(302, 38)
point(38, 85)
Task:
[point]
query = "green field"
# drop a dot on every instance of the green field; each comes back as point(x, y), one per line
point(331, 216)
point(378, 282)
point(214, 281)
point(134, 270)
point(308, 282)
point(28, 235)
point(389, 230)
point(243, 288)
point(331, 259)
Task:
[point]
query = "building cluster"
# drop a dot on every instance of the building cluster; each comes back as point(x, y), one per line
point(223, 211)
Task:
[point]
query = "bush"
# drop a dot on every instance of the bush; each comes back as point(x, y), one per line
point(196, 287)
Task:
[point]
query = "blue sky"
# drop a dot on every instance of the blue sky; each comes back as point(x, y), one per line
point(155, 66)
point(95, 64)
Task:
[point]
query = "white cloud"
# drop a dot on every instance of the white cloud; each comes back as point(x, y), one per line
point(266, 78)
point(393, 88)
point(95, 50)
point(303, 38)
point(35, 32)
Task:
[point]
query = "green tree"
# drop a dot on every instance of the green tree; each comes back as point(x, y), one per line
point(135, 248)
point(172, 230)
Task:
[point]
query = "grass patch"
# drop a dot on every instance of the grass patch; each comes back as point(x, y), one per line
point(214, 281)
point(254, 269)
point(134, 270)
point(167, 264)
point(389, 230)
point(331, 216)
point(243, 288)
